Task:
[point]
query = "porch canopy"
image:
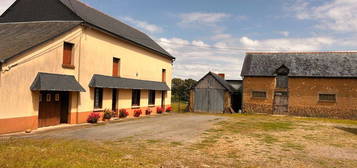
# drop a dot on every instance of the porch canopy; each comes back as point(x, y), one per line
point(101, 81)
point(56, 82)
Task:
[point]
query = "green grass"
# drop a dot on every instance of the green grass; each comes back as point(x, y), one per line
point(178, 106)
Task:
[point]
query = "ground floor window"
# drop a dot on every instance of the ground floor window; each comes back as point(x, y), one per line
point(135, 99)
point(259, 94)
point(152, 97)
point(327, 97)
point(98, 98)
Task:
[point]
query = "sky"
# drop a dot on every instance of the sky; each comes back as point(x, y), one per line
point(214, 35)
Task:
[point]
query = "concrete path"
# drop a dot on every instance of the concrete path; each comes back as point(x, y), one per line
point(176, 127)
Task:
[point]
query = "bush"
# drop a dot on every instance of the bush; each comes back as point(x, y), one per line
point(169, 109)
point(123, 113)
point(107, 114)
point(148, 111)
point(93, 118)
point(137, 113)
point(159, 110)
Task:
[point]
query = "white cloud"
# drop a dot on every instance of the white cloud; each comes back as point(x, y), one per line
point(199, 43)
point(221, 36)
point(336, 15)
point(284, 33)
point(151, 28)
point(202, 18)
point(249, 42)
point(4, 4)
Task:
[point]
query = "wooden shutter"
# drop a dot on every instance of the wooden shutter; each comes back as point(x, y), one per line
point(163, 75)
point(67, 53)
point(116, 67)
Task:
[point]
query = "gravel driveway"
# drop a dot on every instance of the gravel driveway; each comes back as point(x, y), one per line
point(177, 127)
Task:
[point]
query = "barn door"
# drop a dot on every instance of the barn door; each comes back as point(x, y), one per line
point(215, 100)
point(281, 103)
point(209, 100)
point(53, 109)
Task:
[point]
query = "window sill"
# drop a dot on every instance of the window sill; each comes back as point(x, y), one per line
point(98, 110)
point(151, 105)
point(327, 101)
point(135, 107)
point(68, 66)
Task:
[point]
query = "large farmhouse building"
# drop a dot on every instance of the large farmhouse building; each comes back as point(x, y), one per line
point(61, 60)
point(316, 84)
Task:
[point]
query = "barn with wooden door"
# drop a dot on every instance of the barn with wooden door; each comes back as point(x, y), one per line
point(312, 84)
point(214, 94)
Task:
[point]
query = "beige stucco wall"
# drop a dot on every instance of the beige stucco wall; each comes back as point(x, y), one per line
point(93, 54)
point(16, 98)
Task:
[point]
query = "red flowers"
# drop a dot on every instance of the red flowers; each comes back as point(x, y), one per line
point(169, 109)
point(137, 113)
point(93, 117)
point(123, 113)
point(148, 111)
point(159, 110)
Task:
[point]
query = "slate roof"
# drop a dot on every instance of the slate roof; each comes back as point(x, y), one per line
point(302, 64)
point(101, 81)
point(56, 82)
point(74, 10)
point(236, 84)
point(16, 38)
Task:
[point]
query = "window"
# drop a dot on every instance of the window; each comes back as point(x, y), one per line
point(116, 67)
point(282, 81)
point(163, 75)
point(67, 55)
point(327, 97)
point(98, 98)
point(152, 97)
point(259, 94)
point(135, 99)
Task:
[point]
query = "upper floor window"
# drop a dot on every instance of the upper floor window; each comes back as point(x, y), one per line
point(282, 81)
point(163, 75)
point(116, 67)
point(152, 97)
point(135, 99)
point(98, 98)
point(68, 55)
point(327, 97)
point(259, 94)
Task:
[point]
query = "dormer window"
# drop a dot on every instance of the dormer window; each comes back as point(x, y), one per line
point(68, 55)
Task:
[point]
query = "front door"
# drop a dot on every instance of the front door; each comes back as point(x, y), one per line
point(53, 108)
point(114, 99)
point(163, 99)
point(281, 103)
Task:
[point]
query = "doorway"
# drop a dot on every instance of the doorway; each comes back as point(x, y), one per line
point(114, 100)
point(281, 102)
point(53, 108)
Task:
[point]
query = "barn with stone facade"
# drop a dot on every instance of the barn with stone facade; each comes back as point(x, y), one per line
point(312, 84)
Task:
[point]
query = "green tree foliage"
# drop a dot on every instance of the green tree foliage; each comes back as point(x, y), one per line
point(181, 88)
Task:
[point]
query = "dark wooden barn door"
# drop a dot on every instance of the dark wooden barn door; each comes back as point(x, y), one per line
point(281, 103)
point(114, 99)
point(53, 109)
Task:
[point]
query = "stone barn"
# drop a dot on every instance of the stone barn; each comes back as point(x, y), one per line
point(311, 84)
point(214, 94)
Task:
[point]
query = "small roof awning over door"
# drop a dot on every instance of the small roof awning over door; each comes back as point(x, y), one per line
point(56, 82)
point(101, 81)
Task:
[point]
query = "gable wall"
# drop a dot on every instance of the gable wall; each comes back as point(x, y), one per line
point(209, 82)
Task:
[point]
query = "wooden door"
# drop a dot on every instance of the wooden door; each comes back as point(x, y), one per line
point(281, 103)
point(163, 94)
point(50, 109)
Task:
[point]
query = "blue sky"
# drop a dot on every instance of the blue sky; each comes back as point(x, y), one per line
point(214, 35)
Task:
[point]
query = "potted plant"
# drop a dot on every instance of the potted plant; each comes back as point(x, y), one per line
point(148, 112)
point(137, 113)
point(93, 118)
point(123, 113)
point(159, 110)
point(168, 109)
point(107, 114)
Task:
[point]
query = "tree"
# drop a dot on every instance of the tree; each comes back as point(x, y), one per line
point(181, 88)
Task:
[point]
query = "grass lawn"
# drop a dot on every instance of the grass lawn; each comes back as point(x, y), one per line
point(178, 106)
point(239, 141)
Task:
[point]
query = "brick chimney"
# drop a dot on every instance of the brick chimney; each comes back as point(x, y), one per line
point(222, 75)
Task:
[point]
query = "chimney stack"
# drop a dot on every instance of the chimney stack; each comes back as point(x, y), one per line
point(222, 75)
